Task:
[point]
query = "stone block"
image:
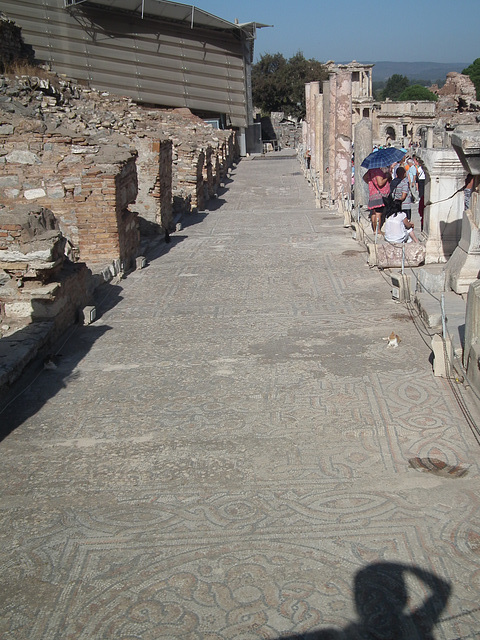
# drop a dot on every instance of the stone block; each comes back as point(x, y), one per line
point(88, 315)
point(33, 194)
point(431, 278)
point(473, 367)
point(430, 310)
point(390, 256)
point(472, 320)
point(22, 157)
point(9, 181)
point(401, 286)
point(18, 309)
point(442, 356)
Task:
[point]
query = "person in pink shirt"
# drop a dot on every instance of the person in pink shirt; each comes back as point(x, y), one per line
point(378, 181)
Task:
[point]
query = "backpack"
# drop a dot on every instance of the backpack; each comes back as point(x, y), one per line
point(392, 206)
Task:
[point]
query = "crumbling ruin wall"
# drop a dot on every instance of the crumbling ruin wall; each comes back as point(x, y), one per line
point(154, 167)
point(107, 229)
point(87, 187)
point(287, 132)
point(38, 283)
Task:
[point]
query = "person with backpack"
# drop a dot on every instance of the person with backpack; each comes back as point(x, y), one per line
point(400, 190)
point(398, 226)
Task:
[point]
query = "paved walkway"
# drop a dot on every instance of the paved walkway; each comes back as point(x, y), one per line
point(232, 452)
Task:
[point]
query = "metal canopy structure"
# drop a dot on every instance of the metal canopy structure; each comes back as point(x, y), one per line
point(156, 51)
point(167, 10)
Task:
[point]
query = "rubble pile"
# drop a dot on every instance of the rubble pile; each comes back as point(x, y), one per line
point(457, 103)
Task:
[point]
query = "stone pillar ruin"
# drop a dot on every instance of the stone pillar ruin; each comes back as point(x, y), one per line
point(332, 86)
point(306, 123)
point(443, 214)
point(343, 135)
point(463, 268)
point(328, 129)
point(430, 128)
point(363, 146)
point(314, 91)
point(326, 135)
point(318, 147)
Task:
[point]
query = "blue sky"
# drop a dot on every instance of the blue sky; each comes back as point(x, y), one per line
point(364, 30)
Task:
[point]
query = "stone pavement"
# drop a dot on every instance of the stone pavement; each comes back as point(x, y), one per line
point(232, 452)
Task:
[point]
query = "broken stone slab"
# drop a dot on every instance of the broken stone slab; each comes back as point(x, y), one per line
point(467, 145)
point(390, 256)
point(40, 259)
point(47, 247)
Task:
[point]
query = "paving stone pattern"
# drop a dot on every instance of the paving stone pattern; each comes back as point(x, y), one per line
point(231, 451)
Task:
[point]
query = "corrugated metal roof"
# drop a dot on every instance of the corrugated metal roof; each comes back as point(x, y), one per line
point(168, 10)
point(163, 9)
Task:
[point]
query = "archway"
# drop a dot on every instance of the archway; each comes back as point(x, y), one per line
point(390, 135)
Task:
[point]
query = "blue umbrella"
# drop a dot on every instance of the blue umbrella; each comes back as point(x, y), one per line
point(383, 158)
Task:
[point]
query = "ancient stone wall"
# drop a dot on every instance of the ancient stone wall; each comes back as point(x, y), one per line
point(154, 167)
point(107, 229)
point(37, 282)
point(88, 188)
point(287, 132)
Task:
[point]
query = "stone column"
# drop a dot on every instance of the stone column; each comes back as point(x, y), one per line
point(304, 134)
point(343, 135)
point(443, 214)
point(314, 92)
point(363, 146)
point(319, 138)
point(306, 127)
point(331, 133)
point(326, 135)
point(429, 136)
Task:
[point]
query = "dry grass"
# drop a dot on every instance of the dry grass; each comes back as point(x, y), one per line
point(23, 68)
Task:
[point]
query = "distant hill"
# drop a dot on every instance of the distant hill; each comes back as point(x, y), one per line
point(430, 71)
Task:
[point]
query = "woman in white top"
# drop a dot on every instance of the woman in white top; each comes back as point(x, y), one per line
point(398, 228)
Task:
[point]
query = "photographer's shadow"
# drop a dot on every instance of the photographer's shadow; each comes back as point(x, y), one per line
point(381, 599)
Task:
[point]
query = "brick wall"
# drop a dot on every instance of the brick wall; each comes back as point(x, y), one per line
point(154, 166)
point(87, 189)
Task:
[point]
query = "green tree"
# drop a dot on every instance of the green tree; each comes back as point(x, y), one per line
point(279, 84)
point(473, 71)
point(267, 89)
point(394, 86)
point(417, 92)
